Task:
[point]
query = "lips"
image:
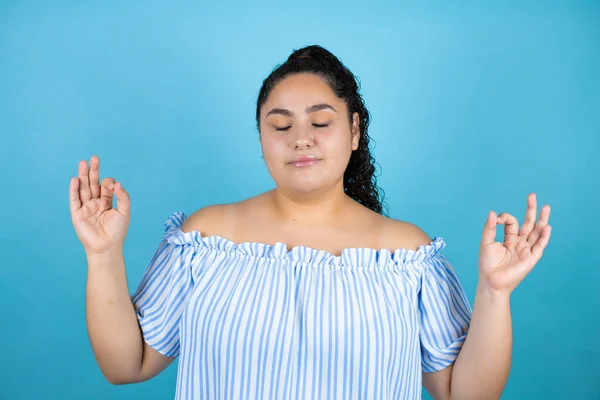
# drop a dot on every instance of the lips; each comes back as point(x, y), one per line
point(304, 161)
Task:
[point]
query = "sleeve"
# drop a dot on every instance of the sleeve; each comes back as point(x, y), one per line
point(162, 295)
point(445, 314)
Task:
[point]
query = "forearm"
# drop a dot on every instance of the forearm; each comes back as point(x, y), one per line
point(111, 321)
point(482, 367)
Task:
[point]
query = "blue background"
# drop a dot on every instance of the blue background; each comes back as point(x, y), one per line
point(473, 107)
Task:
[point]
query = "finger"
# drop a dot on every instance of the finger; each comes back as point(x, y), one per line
point(94, 176)
point(511, 229)
point(511, 225)
point(489, 229)
point(107, 189)
point(541, 223)
point(74, 202)
point(123, 201)
point(530, 214)
point(84, 182)
point(540, 245)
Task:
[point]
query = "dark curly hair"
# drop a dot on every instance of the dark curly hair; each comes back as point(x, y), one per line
point(359, 178)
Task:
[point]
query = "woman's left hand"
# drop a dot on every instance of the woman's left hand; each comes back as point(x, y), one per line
point(503, 266)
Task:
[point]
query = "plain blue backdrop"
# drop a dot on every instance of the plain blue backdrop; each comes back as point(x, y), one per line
point(473, 107)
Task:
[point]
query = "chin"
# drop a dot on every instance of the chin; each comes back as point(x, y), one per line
point(302, 185)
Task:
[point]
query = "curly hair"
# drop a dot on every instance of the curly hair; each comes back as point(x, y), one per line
point(360, 182)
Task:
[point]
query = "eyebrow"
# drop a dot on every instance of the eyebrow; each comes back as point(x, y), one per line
point(311, 109)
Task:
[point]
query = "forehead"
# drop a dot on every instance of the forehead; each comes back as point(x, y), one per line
point(300, 91)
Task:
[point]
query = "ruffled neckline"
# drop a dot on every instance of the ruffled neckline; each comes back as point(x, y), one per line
point(352, 256)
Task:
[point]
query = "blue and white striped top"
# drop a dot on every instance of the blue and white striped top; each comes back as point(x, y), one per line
point(259, 321)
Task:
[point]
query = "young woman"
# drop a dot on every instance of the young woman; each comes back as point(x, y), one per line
point(306, 291)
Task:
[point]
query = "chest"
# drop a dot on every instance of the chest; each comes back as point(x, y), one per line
point(332, 239)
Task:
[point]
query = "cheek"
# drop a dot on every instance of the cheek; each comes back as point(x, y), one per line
point(337, 146)
point(272, 148)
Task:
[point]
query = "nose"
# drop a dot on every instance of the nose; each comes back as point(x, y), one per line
point(303, 138)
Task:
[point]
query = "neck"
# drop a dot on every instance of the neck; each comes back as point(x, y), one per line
point(309, 208)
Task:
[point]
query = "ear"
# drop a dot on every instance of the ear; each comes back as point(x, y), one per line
point(355, 130)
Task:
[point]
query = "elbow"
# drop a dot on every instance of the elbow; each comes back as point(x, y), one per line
point(116, 381)
point(120, 378)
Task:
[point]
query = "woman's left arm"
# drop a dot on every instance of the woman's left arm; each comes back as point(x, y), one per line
point(482, 366)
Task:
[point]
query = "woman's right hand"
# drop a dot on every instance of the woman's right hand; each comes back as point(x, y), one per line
point(100, 227)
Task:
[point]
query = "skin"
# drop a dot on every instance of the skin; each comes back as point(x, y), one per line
point(307, 207)
point(302, 116)
point(113, 329)
point(315, 193)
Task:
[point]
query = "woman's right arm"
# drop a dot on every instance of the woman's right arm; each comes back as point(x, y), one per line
point(113, 328)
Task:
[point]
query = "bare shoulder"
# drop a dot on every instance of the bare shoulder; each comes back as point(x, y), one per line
point(402, 234)
point(207, 219)
point(221, 219)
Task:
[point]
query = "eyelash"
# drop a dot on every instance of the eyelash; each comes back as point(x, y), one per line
point(315, 125)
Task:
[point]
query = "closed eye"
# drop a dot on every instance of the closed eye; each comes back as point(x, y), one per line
point(285, 128)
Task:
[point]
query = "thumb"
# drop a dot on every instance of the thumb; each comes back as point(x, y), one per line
point(123, 201)
point(489, 229)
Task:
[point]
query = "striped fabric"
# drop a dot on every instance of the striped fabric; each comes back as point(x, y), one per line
point(259, 321)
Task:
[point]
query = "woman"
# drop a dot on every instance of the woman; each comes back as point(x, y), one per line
point(306, 291)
